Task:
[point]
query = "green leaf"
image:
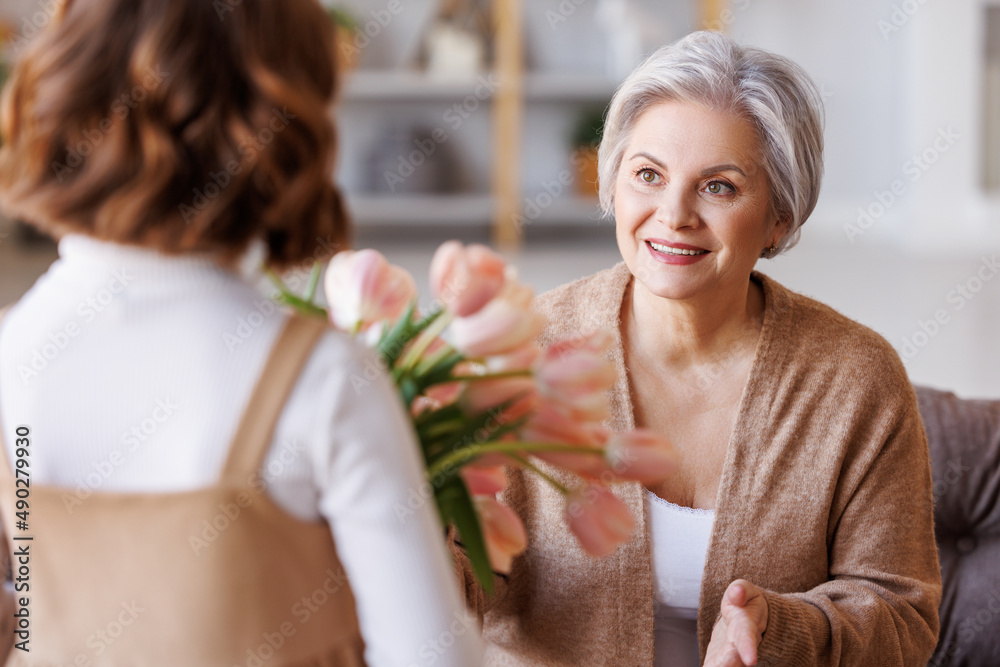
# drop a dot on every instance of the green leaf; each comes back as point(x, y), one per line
point(302, 306)
point(393, 342)
point(455, 505)
point(313, 282)
point(440, 373)
point(409, 389)
point(405, 330)
point(466, 435)
point(446, 413)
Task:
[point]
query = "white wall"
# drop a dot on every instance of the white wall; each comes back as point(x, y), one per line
point(894, 83)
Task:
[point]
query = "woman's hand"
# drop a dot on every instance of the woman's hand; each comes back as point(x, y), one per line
point(740, 627)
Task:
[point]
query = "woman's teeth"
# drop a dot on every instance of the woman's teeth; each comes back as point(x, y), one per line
point(675, 251)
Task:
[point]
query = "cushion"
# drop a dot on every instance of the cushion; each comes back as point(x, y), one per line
point(964, 440)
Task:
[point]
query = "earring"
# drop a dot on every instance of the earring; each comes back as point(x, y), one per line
point(773, 249)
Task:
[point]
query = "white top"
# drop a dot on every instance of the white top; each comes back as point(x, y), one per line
point(132, 370)
point(678, 538)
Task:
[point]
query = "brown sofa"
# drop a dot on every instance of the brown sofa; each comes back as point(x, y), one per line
point(964, 440)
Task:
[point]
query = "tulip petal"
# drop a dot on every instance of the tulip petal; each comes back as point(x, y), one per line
point(599, 519)
point(503, 532)
point(641, 455)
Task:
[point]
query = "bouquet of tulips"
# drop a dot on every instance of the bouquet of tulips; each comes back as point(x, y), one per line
point(483, 396)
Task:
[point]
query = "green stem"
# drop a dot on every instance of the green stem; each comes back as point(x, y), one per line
point(286, 296)
point(425, 339)
point(278, 282)
point(433, 360)
point(491, 376)
point(553, 482)
point(313, 283)
point(441, 428)
point(465, 454)
point(303, 306)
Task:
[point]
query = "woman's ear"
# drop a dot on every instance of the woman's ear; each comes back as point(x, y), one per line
point(780, 229)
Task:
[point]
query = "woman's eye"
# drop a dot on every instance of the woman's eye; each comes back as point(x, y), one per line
point(647, 176)
point(719, 188)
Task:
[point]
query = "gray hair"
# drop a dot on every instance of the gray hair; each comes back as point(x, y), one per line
point(772, 92)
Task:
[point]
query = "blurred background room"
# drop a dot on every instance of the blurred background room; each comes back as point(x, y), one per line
point(477, 120)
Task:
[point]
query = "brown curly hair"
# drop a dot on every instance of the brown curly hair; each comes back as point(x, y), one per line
point(181, 125)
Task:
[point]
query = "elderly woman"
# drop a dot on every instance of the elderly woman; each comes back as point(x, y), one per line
point(798, 529)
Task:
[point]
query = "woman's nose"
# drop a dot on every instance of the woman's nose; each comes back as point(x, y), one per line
point(676, 209)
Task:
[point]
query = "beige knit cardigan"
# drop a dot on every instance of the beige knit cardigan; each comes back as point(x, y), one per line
point(825, 502)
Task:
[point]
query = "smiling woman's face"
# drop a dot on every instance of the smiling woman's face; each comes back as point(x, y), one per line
point(692, 202)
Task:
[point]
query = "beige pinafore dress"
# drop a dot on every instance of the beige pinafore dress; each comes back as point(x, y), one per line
point(217, 577)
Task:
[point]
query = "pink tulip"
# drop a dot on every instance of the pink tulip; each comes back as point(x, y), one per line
point(642, 456)
point(484, 481)
point(444, 394)
point(550, 424)
point(503, 531)
point(599, 519)
point(481, 395)
point(422, 404)
point(362, 288)
point(436, 397)
point(466, 279)
point(521, 408)
point(519, 359)
point(501, 326)
point(597, 341)
point(578, 375)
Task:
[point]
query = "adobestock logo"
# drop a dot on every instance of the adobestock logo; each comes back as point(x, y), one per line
point(139, 435)
point(250, 150)
point(454, 117)
point(899, 16)
point(913, 170)
point(958, 297)
point(59, 340)
point(78, 152)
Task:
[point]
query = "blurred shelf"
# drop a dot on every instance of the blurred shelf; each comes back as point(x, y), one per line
point(567, 210)
point(414, 86)
point(457, 209)
point(563, 87)
point(463, 209)
point(528, 112)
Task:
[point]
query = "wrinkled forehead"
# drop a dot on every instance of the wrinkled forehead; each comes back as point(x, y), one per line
point(688, 135)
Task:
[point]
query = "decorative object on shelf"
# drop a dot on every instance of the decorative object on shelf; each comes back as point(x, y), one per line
point(586, 138)
point(347, 24)
point(483, 396)
point(456, 42)
point(632, 34)
point(414, 161)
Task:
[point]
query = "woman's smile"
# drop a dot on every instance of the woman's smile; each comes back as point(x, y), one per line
point(675, 253)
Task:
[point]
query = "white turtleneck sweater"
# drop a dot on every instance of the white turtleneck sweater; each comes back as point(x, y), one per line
point(132, 370)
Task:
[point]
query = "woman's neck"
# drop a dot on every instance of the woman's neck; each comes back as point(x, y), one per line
point(679, 333)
